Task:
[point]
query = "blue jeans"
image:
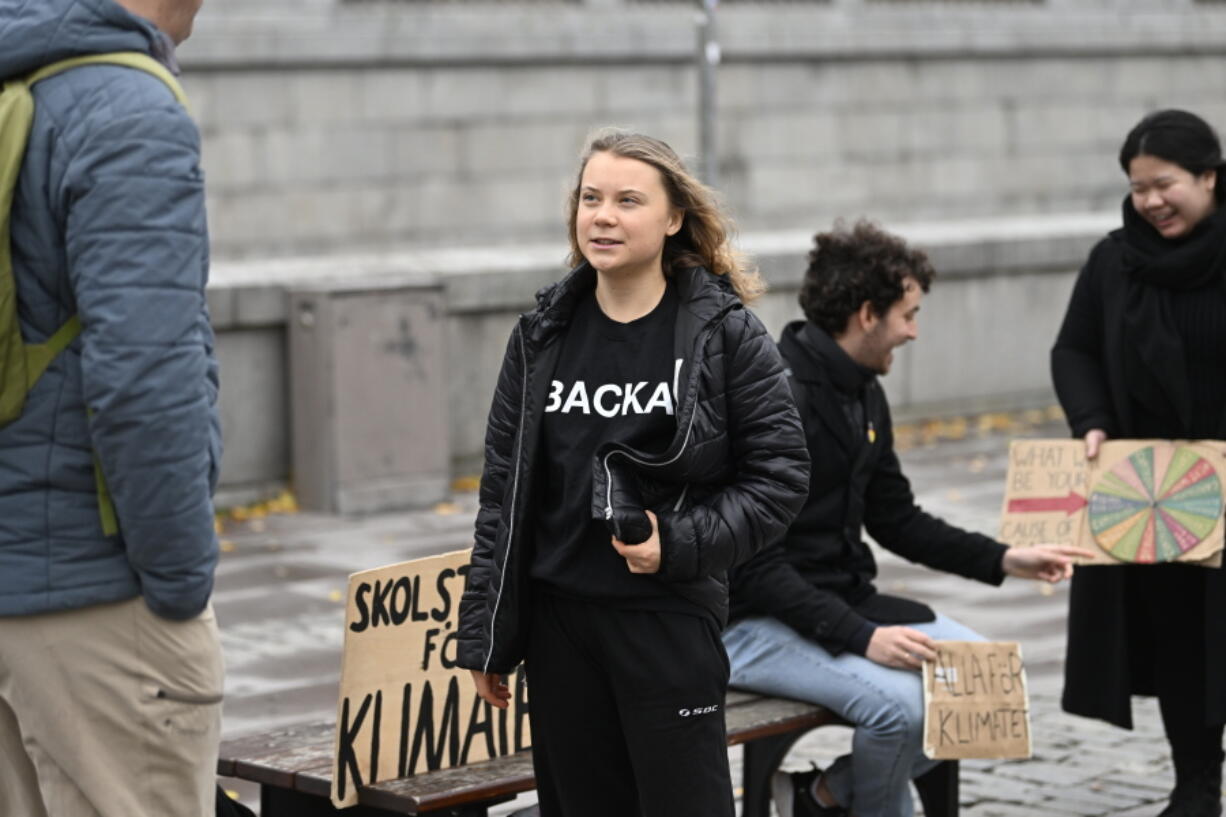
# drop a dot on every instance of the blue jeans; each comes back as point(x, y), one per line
point(885, 704)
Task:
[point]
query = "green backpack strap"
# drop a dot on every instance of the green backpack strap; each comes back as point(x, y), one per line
point(127, 59)
point(22, 364)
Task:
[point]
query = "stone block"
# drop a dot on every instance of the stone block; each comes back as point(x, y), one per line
point(470, 388)
point(254, 408)
point(498, 92)
point(870, 135)
point(250, 98)
point(954, 131)
point(232, 160)
point(1013, 322)
point(260, 306)
point(1040, 125)
point(779, 86)
point(1054, 79)
point(369, 406)
point(339, 153)
point(540, 145)
point(328, 97)
point(221, 304)
point(952, 80)
point(787, 136)
point(244, 221)
point(421, 150)
point(1049, 774)
point(634, 90)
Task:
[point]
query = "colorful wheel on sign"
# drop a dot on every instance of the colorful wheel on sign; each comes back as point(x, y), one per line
point(1156, 505)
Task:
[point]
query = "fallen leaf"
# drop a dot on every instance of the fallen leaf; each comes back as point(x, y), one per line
point(446, 509)
point(335, 595)
point(466, 485)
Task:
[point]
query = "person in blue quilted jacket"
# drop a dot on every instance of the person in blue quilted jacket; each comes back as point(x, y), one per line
point(110, 663)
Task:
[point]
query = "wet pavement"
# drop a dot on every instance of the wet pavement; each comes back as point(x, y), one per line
point(281, 582)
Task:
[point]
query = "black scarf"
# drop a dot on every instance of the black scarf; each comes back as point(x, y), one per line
point(1155, 368)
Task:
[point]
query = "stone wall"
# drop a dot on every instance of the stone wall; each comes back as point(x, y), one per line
point(985, 329)
point(343, 124)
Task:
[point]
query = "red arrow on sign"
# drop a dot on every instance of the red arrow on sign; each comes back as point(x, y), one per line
point(1070, 504)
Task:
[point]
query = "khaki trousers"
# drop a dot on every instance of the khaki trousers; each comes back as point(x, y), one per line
point(109, 711)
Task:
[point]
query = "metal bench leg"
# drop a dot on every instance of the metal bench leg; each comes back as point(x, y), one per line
point(761, 760)
point(938, 789)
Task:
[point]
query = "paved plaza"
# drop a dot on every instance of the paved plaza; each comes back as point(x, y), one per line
point(280, 590)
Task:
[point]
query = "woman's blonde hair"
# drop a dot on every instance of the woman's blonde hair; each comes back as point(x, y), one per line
point(705, 237)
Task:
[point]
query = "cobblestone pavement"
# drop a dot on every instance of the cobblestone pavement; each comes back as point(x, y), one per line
point(279, 599)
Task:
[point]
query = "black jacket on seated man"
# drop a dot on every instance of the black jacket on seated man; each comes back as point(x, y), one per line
point(819, 578)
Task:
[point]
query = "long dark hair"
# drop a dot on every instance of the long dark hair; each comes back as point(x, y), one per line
point(1181, 138)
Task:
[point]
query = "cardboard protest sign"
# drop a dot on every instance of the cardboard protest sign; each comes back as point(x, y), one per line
point(404, 706)
point(1138, 502)
point(975, 701)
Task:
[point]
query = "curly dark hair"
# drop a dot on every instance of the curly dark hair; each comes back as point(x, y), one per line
point(849, 267)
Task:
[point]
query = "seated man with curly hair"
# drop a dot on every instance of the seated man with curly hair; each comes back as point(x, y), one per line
point(807, 622)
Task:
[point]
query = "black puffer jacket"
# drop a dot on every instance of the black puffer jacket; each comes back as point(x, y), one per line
point(819, 577)
point(731, 481)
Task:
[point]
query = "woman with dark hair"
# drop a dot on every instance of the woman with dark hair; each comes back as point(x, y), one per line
point(1142, 354)
point(642, 441)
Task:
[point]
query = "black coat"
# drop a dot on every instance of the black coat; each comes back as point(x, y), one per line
point(1106, 662)
point(819, 578)
point(730, 481)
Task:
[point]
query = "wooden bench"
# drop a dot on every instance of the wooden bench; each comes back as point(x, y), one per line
point(294, 769)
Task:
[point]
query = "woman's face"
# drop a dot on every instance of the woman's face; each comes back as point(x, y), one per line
point(624, 216)
point(1170, 198)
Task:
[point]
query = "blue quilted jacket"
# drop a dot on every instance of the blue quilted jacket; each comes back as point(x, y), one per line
point(109, 224)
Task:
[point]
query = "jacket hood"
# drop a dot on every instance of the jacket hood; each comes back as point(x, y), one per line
point(34, 33)
point(811, 354)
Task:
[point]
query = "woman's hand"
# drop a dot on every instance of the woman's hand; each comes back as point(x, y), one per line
point(900, 647)
point(492, 688)
point(1094, 438)
point(643, 557)
point(1050, 563)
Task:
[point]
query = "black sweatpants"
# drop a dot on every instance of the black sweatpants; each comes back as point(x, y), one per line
point(627, 712)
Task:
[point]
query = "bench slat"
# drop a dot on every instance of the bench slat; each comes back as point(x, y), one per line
point(763, 717)
point(301, 758)
point(277, 757)
point(497, 778)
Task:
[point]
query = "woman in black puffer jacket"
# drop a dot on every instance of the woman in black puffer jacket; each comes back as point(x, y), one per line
point(642, 440)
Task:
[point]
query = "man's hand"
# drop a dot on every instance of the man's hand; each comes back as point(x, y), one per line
point(900, 647)
point(644, 557)
point(1094, 438)
point(492, 688)
point(1051, 563)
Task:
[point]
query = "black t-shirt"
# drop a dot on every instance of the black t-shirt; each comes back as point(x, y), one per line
point(613, 382)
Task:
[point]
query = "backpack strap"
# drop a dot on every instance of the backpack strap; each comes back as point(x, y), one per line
point(22, 364)
point(127, 59)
